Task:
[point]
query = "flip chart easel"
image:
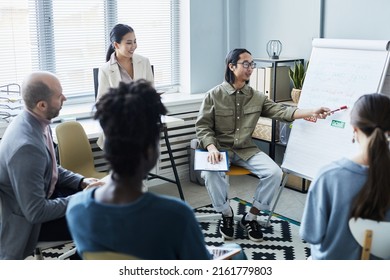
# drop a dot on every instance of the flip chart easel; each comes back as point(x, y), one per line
point(339, 72)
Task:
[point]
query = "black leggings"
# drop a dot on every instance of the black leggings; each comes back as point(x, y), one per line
point(56, 230)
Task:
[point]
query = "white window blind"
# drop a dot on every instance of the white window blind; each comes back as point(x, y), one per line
point(156, 24)
point(15, 44)
point(70, 38)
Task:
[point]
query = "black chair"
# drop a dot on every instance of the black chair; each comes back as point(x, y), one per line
point(96, 80)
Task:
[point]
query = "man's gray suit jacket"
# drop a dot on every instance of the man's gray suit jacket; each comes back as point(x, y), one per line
point(25, 175)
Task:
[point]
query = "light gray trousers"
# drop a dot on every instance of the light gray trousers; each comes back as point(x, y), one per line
point(261, 165)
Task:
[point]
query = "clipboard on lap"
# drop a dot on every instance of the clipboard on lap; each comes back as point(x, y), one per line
point(201, 162)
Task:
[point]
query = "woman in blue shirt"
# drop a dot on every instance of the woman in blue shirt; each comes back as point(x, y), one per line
point(356, 187)
point(119, 216)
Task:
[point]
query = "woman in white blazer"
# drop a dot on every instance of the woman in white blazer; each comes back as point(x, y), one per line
point(122, 64)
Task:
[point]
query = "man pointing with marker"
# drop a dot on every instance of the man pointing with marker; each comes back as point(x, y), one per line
point(226, 121)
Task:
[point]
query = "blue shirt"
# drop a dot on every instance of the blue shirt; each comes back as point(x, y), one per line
point(328, 208)
point(153, 227)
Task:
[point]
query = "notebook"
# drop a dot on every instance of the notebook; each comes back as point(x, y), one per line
point(201, 162)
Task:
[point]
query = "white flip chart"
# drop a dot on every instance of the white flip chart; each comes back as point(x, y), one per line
point(339, 72)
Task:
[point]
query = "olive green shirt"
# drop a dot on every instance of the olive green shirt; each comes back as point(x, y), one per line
point(228, 117)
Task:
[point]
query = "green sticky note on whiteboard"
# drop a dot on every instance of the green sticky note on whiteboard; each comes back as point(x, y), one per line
point(338, 124)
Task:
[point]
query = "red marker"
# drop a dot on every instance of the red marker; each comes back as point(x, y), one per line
point(338, 109)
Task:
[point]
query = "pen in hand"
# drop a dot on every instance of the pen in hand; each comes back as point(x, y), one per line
point(338, 109)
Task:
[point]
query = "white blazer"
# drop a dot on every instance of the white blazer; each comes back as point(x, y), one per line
point(109, 76)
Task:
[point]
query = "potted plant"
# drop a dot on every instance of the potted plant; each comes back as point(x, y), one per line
point(297, 76)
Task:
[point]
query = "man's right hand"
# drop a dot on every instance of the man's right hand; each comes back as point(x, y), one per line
point(91, 182)
point(214, 155)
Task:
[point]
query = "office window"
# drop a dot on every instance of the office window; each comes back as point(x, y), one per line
point(70, 38)
point(15, 44)
point(156, 26)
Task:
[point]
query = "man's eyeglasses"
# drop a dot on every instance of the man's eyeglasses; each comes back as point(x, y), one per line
point(246, 64)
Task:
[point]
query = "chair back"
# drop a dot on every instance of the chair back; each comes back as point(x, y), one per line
point(74, 149)
point(373, 236)
point(96, 80)
point(107, 255)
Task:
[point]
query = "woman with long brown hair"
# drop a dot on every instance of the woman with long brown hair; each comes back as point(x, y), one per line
point(351, 188)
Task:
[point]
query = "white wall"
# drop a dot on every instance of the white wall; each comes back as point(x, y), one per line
point(204, 50)
point(294, 23)
point(211, 29)
point(357, 19)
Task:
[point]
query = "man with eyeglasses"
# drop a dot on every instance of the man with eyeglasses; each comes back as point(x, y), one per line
point(226, 121)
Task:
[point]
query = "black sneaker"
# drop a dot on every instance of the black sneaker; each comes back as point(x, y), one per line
point(253, 229)
point(227, 227)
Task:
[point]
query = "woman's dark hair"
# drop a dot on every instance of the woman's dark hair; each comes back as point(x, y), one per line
point(370, 114)
point(130, 116)
point(116, 35)
point(233, 57)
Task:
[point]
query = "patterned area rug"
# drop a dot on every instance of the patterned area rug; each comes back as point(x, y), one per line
point(281, 239)
point(54, 252)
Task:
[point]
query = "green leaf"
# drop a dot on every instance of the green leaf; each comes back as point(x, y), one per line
point(297, 74)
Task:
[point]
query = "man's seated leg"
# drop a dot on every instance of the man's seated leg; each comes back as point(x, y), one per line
point(217, 188)
point(270, 176)
point(56, 230)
